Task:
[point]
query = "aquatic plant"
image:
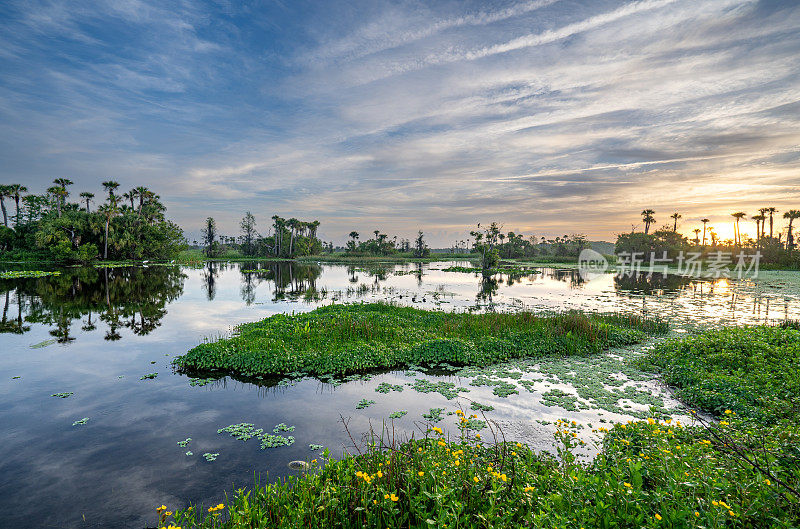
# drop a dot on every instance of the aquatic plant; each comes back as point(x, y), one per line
point(201, 381)
point(749, 370)
point(398, 414)
point(81, 421)
point(315, 447)
point(63, 395)
point(346, 339)
point(149, 376)
point(364, 403)
point(480, 407)
point(185, 442)
point(210, 457)
point(434, 415)
point(446, 389)
point(385, 387)
point(25, 274)
point(245, 431)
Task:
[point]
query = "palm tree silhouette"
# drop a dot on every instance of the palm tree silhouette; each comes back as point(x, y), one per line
point(648, 218)
point(791, 215)
point(704, 221)
point(675, 216)
point(88, 198)
point(737, 236)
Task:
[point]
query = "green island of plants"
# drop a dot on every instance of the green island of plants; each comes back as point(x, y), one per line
point(352, 338)
point(26, 274)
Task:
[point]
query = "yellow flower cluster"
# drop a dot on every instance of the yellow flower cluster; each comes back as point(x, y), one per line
point(216, 508)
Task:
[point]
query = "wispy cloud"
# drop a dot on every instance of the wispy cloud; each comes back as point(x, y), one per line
point(551, 116)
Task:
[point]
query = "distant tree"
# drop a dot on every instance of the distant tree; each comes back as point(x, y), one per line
point(737, 235)
point(705, 222)
point(249, 234)
point(759, 228)
point(697, 235)
point(420, 248)
point(5, 191)
point(109, 211)
point(86, 196)
point(675, 216)
point(110, 186)
point(791, 215)
point(210, 236)
point(16, 190)
point(771, 211)
point(648, 218)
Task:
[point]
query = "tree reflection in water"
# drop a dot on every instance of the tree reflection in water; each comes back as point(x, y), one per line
point(126, 297)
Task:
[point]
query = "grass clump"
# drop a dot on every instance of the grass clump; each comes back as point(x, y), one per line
point(342, 339)
point(752, 371)
point(648, 474)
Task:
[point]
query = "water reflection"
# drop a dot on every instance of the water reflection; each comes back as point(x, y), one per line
point(133, 298)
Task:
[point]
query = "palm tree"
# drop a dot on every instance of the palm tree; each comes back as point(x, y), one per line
point(59, 193)
point(648, 218)
point(130, 195)
point(704, 221)
point(143, 193)
point(110, 186)
point(15, 190)
point(763, 213)
point(88, 198)
point(293, 224)
point(759, 229)
point(109, 211)
point(791, 215)
point(5, 191)
point(771, 212)
point(697, 235)
point(675, 216)
point(354, 235)
point(737, 235)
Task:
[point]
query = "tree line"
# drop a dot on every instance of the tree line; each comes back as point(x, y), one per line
point(771, 243)
point(49, 226)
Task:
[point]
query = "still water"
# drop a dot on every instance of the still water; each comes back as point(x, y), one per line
point(95, 332)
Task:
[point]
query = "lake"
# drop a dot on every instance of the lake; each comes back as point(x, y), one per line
point(101, 334)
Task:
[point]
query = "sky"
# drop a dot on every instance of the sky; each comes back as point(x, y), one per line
point(550, 117)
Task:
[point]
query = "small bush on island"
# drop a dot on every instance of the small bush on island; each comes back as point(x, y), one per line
point(350, 338)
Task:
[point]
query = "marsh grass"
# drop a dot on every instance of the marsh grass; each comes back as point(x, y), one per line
point(354, 338)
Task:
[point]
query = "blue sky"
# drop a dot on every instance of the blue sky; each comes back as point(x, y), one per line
point(550, 116)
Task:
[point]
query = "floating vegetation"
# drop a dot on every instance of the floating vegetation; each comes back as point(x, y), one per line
point(434, 415)
point(385, 387)
point(189, 453)
point(201, 381)
point(42, 344)
point(81, 421)
point(344, 339)
point(149, 376)
point(447, 389)
point(480, 407)
point(242, 431)
point(364, 403)
point(557, 397)
point(63, 395)
point(283, 428)
point(398, 414)
point(16, 377)
point(210, 457)
point(185, 442)
point(298, 465)
point(513, 271)
point(315, 447)
point(25, 274)
point(245, 431)
point(274, 441)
